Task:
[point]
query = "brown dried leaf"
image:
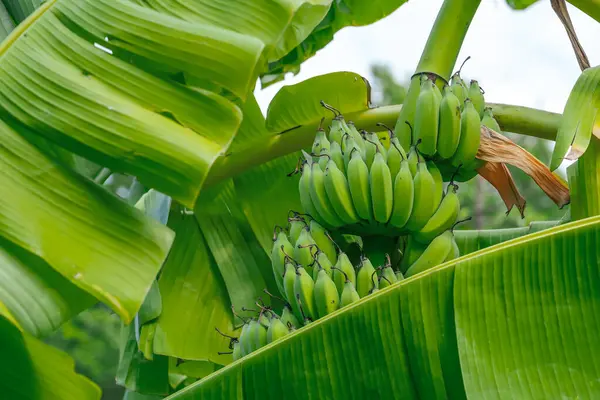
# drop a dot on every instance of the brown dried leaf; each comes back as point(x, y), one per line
point(500, 149)
point(500, 177)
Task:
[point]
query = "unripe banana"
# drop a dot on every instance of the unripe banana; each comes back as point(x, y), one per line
point(336, 155)
point(336, 131)
point(347, 271)
point(382, 190)
point(407, 113)
point(489, 120)
point(395, 156)
point(358, 180)
point(358, 139)
point(412, 252)
point(264, 320)
point(244, 340)
point(388, 277)
point(348, 149)
point(374, 139)
point(288, 318)
point(413, 160)
point(423, 205)
point(319, 235)
point(439, 182)
point(321, 262)
point(319, 198)
point(237, 351)
point(370, 150)
point(297, 225)
point(324, 158)
point(256, 336)
point(443, 219)
point(403, 196)
point(320, 143)
point(302, 250)
point(434, 254)
point(304, 189)
point(349, 294)
point(304, 287)
point(469, 137)
point(459, 88)
point(454, 252)
point(476, 96)
point(281, 247)
point(427, 118)
point(277, 329)
point(289, 280)
point(449, 128)
point(364, 279)
point(327, 298)
point(399, 276)
point(338, 193)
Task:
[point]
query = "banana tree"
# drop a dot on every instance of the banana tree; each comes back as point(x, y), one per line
point(161, 91)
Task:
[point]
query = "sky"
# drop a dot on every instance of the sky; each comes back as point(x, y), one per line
point(518, 57)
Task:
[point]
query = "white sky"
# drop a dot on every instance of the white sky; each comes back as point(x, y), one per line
point(518, 57)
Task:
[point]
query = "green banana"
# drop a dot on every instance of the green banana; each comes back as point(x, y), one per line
point(281, 247)
point(435, 254)
point(289, 279)
point(413, 160)
point(358, 180)
point(321, 142)
point(338, 192)
point(237, 351)
point(443, 219)
point(427, 117)
point(321, 238)
point(349, 294)
point(469, 137)
point(288, 318)
point(489, 120)
point(459, 88)
point(324, 157)
point(364, 279)
point(257, 336)
point(304, 287)
point(403, 196)
point(399, 276)
point(322, 262)
point(454, 252)
point(304, 189)
point(302, 253)
point(343, 271)
point(319, 198)
point(449, 124)
point(327, 298)
point(337, 127)
point(277, 330)
point(407, 113)
point(388, 277)
point(476, 95)
point(358, 139)
point(244, 341)
point(382, 191)
point(395, 154)
point(439, 182)
point(336, 155)
point(297, 224)
point(423, 204)
point(370, 150)
point(412, 252)
point(348, 149)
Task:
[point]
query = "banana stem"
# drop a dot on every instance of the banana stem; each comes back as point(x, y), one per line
point(516, 119)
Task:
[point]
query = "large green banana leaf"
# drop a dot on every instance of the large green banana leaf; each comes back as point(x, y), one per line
point(590, 7)
point(518, 320)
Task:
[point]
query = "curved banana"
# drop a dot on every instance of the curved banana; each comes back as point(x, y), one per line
point(321, 262)
point(443, 219)
point(321, 142)
point(427, 117)
point(358, 139)
point(382, 191)
point(413, 160)
point(237, 351)
point(364, 279)
point(469, 137)
point(288, 318)
point(349, 294)
point(319, 198)
point(358, 180)
point(348, 149)
point(454, 252)
point(423, 205)
point(412, 252)
point(399, 276)
point(449, 125)
point(459, 88)
point(338, 192)
point(476, 95)
point(304, 287)
point(277, 329)
point(395, 153)
point(302, 250)
point(289, 279)
point(327, 298)
point(439, 182)
point(281, 247)
point(407, 113)
point(343, 271)
point(489, 120)
point(304, 189)
point(244, 340)
point(336, 155)
point(388, 277)
point(324, 243)
point(297, 224)
point(403, 196)
point(434, 254)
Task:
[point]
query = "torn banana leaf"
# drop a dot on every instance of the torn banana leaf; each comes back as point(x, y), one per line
point(498, 175)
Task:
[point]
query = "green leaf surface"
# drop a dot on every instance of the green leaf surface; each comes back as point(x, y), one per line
point(297, 105)
point(243, 263)
point(581, 118)
point(194, 297)
point(86, 234)
point(6, 22)
point(518, 319)
point(32, 370)
point(584, 183)
point(20, 9)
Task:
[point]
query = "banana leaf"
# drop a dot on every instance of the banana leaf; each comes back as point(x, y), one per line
point(460, 330)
